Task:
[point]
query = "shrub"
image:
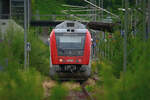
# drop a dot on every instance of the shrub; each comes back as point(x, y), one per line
point(12, 48)
point(20, 85)
point(58, 93)
point(39, 55)
point(134, 84)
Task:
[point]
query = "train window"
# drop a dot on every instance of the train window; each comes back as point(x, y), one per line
point(70, 39)
point(70, 43)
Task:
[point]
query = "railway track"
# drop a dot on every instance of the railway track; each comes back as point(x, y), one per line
point(86, 93)
point(83, 94)
point(80, 94)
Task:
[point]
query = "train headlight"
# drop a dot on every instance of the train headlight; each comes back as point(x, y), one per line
point(79, 60)
point(60, 60)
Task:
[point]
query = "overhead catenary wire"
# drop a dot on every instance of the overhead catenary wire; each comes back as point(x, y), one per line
point(102, 9)
point(81, 10)
point(73, 6)
point(75, 16)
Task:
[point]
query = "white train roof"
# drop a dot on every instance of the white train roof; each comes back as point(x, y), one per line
point(70, 25)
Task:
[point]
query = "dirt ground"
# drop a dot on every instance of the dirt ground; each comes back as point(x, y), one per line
point(75, 91)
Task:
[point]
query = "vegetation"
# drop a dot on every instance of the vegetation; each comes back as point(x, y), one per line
point(133, 84)
point(18, 84)
point(114, 84)
point(58, 93)
point(39, 55)
point(15, 83)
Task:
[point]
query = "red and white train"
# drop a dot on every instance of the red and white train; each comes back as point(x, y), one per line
point(70, 51)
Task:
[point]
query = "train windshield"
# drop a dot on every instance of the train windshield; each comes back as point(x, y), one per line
point(72, 43)
point(69, 41)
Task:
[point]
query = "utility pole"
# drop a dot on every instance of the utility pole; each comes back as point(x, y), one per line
point(101, 5)
point(92, 12)
point(10, 9)
point(144, 19)
point(95, 2)
point(25, 34)
point(125, 37)
point(148, 17)
point(28, 14)
point(136, 19)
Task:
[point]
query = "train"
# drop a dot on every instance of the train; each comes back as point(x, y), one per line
point(70, 51)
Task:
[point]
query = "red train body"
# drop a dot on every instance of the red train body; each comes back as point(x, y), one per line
point(70, 51)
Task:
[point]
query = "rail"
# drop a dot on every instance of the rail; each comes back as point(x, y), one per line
point(87, 94)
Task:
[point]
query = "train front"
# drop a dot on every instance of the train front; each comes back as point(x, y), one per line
point(70, 50)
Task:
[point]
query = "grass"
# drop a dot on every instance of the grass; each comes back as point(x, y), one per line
point(21, 85)
point(39, 55)
point(53, 7)
point(15, 83)
point(134, 84)
point(58, 93)
point(47, 7)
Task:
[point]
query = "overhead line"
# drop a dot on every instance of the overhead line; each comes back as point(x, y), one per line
point(49, 15)
point(82, 10)
point(74, 16)
point(102, 9)
point(74, 6)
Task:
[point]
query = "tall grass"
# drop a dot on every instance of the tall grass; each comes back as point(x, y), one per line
point(20, 85)
point(12, 49)
point(39, 55)
point(134, 84)
point(115, 53)
point(15, 83)
point(58, 93)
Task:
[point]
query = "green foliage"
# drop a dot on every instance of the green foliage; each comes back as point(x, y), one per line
point(58, 93)
point(16, 84)
point(134, 84)
point(89, 88)
point(75, 2)
point(39, 55)
point(20, 85)
point(115, 52)
point(47, 7)
point(12, 48)
point(53, 7)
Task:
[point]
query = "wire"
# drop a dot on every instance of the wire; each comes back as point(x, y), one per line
point(102, 9)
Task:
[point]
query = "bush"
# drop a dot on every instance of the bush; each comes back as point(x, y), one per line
point(39, 55)
point(58, 93)
point(20, 85)
point(115, 52)
point(134, 84)
point(12, 50)
point(16, 84)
